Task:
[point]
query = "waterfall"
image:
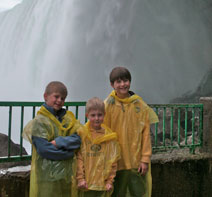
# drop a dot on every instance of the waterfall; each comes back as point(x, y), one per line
point(166, 45)
point(8, 4)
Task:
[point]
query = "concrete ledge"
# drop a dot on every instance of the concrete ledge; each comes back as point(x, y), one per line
point(173, 175)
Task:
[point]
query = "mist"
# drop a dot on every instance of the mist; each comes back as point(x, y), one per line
point(166, 45)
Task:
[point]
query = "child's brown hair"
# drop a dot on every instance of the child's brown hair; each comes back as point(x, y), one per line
point(119, 73)
point(56, 86)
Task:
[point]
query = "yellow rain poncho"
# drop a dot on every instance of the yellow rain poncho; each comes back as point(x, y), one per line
point(97, 159)
point(50, 177)
point(131, 118)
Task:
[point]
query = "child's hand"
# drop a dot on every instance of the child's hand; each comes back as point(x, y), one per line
point(54, 143)
point(109, 187)
point(82, 185)
point(143, 168)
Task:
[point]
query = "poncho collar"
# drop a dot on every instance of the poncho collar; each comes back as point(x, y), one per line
point(153, 118)
point(58, 114)
point(59, 124)
point(109, 134)
point(130, 99)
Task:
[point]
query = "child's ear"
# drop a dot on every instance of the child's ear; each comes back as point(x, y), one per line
point(86, 115)
point(45, 96)
point(112, 85)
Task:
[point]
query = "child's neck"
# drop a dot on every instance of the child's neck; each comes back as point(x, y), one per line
point(98, 130)
point(121, 96)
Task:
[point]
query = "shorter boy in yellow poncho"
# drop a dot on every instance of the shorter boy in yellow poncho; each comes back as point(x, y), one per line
point(98, 155)
point(52, 134)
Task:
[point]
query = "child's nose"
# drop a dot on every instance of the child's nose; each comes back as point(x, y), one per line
point(59, 99)
point(122, 82)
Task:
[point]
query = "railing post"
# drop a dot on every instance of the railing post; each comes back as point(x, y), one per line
point(207, 124)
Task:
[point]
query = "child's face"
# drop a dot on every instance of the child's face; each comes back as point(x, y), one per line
point(55, 100)
point(121, 87)
point(96, 118)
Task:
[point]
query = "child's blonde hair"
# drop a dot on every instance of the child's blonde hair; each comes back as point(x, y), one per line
point(95, 103)
point(56, 86)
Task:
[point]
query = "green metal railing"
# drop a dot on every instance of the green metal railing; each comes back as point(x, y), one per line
point(10, 106)
point(180, 125)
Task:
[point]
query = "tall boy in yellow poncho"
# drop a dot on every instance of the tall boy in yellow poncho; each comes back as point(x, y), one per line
point(98, 155)
point(130, 117)
point(53, 140)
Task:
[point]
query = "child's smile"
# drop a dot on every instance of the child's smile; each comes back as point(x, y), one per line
point(121, 86)
point(55, 100)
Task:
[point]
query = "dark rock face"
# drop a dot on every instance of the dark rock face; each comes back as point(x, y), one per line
point(14, 150)
point(203, 90)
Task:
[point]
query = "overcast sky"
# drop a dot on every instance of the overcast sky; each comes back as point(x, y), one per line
point(8, 4)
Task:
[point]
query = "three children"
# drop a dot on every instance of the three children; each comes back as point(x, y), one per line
point(53, 136)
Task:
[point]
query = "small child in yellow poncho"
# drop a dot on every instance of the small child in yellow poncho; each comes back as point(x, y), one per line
point(98, 155)
point(129, 116)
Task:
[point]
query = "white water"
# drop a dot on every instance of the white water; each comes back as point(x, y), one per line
point(166, 44)
point(8, 4)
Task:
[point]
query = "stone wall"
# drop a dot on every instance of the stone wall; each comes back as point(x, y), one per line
point(14, 184)
point(179, 177)
point(207, 123)
point(182, 176)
